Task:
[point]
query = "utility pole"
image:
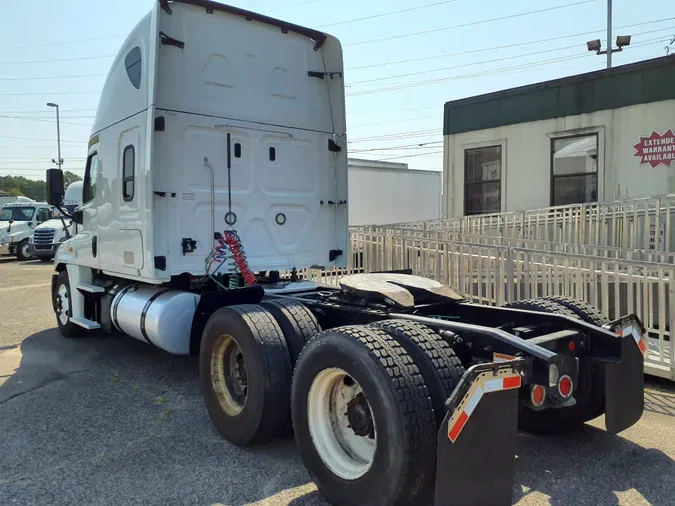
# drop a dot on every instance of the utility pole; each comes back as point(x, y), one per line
point(59, 160)
point(609, 34)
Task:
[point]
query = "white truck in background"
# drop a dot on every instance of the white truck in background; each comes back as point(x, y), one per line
point(220, 129)
point(6, 198)
point(382, 193)
point(17, 224)
point(49, 235)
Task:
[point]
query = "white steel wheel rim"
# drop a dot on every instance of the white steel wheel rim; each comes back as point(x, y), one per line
point(345, 453)
point(24, 250)
point(229, 375)
point(63, 304)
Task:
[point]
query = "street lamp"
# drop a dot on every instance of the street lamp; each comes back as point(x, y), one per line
point(59, 160)
point(621, 41)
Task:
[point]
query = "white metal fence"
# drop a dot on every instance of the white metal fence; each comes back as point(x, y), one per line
point(493, 270)
point(643, 223)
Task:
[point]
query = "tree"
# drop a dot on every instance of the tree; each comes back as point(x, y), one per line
point(69, 177)
point(16, 192)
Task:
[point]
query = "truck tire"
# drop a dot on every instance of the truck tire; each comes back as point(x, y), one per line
point(362, 417)
point(543, 306)
point(62, 307)
point(297, 323)
point(245, 374)
point(436, 360)
point(23, 251)
point(590, 393)
point(582, 309)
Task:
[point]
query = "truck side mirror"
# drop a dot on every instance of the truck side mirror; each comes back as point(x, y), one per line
point(55, 190)
point(77, 216)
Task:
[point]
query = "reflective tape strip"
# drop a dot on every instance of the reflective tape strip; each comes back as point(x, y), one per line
point(487, 386)
point(474, 400)
point(639, 341)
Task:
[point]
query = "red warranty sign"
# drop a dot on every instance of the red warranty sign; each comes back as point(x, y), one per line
point(657, 149)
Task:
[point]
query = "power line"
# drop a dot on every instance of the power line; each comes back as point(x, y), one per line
point(57, 60)
point(573, 46)
point(391, 13)
point(37, 139)
point(44, 120)
point(49, 93)
point(50, 77)
point(423, 145)
point(474, 23)
point(395, 121)
point(415, 60)
point(64, 42)
point(411, 156)
point(502, 70)
point(42, 111)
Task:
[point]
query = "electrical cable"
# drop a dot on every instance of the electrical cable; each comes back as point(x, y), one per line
point(391, 13)
point(474, 23)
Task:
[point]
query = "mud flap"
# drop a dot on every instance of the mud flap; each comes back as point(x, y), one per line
point(624, 381)
point(475, 463)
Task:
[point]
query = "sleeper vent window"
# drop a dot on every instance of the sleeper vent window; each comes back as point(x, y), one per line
point(574, 167)
point(128, 173)
point(133, 65)
point(483, 180)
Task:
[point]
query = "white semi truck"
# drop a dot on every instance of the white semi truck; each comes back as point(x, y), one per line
point(48, 236)
point(219, 130)
point(18, 221)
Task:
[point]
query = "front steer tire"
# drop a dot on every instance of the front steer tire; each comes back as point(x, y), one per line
point(400, 469)
point(23, 251)
point(245, 374)
point(61, 302)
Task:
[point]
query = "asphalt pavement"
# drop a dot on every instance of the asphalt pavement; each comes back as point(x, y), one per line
point(109, 420)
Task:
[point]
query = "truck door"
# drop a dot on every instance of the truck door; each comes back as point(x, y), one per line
point(85, 243)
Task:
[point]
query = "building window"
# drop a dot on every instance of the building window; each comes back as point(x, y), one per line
point(90, 177)
point(128, 173)
point(574, 170)
point(133, 64)
point(483, 180)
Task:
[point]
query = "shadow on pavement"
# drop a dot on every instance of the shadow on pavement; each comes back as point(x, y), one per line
point(147, 438)
point(130, 423)
point(591, 467)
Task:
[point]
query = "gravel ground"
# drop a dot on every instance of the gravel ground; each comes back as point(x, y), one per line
point(109, 420)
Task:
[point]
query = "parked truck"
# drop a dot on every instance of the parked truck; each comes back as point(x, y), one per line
point(48, 236)
point(18, 220)
point(216, 173)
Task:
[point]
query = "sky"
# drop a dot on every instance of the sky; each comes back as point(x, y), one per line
point(403, 61)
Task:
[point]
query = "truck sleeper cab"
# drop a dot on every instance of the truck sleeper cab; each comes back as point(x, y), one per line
point(216, 173)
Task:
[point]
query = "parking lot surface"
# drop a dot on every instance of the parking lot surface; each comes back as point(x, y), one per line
point(110, 420)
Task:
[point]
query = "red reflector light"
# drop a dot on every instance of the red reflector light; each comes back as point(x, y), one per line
point(565, 386)
point(537, 395)
point(572, 345)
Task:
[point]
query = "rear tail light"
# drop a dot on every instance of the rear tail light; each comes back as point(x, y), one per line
point(565, 386)
point(537, 395)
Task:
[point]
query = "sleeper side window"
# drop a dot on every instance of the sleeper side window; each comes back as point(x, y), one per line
point(90, 177)
point(133, 64)
point(128, 173)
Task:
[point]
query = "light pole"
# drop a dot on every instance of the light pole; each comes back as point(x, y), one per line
point(59, 161)
point(609, 34)
point(621, 40)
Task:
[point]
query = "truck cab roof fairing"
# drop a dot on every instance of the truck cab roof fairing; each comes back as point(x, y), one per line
point(318, 37)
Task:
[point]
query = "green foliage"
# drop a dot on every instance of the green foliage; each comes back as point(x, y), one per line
point(36, 190)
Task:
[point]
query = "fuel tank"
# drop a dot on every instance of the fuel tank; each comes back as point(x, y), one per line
point(157, 315)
